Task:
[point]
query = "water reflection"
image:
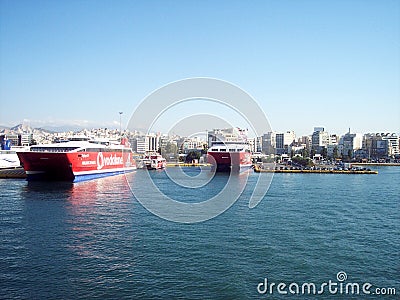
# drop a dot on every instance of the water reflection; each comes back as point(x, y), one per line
point(42, 190)
point(97, 211)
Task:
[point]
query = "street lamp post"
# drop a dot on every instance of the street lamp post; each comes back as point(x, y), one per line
point(120, 114)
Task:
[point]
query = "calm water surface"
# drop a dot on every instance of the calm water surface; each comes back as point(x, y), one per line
point(94, 240)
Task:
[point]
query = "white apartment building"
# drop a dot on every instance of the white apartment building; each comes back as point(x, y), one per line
point(147, 143)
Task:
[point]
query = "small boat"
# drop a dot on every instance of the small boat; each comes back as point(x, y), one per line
point(154, 162)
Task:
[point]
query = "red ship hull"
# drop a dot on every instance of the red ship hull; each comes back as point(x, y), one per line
point(230, 161)
point(75, 166)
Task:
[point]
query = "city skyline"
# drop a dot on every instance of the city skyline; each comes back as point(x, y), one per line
point(25, 127)
point(320, 144)
point(306, 63)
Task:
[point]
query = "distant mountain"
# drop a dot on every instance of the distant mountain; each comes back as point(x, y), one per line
point(62, 128)
point(21, 128)
point(44, 130)
point(75, 128)
point(35, 127)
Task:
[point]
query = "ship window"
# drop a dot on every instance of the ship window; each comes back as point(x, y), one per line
point(77, 138)
point(214, 149)
point(93, 149)
point(52, 149)
point(222, 150)
point(100, 143)
point(232, 150)
point(112, 150)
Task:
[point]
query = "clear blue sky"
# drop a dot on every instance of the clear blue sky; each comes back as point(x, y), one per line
point(308, 63)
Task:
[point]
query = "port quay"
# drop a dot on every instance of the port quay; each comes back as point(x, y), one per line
point(279, 152)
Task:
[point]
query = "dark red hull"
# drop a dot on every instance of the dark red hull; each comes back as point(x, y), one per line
point(230, 161)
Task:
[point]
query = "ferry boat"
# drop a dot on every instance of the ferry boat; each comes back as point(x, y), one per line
point(154, 162)
point(232, 156)
point(77, 159)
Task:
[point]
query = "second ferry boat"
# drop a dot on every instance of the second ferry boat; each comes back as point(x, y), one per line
point(77, 159)
point(234, 156)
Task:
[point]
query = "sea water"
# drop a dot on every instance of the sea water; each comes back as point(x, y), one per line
point(94, 240)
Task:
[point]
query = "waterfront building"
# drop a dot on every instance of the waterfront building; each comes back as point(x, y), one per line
point(283, 141)
point(306, 140)
point(153, 143)
point(340, 149)
point(268, 142)
point(139, 144)
point(393, 143)
point(380, 145)
point(164, 139)
point(255, 144)
point(258, 146)
point(320, 139)
point(360, 154)
point(26, 139)
point(351, 142)
point(332, 151)
point(193, 143)
point(146, 143)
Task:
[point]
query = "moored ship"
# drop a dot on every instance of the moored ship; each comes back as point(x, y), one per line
point(154, 162)
point(230, 156)
point(77, 159)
